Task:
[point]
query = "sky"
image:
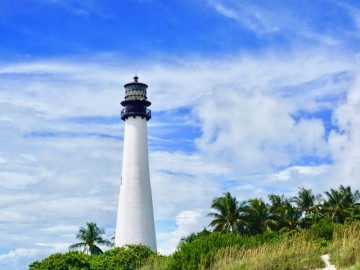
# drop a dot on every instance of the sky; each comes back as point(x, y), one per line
point(252, 97)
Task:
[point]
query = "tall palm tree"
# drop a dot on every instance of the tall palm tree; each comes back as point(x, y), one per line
point(334, 206)
point(305, 200)
point(228, 215)
point(291, 216)
point(277, 209)
point(258, 216)
point(284, 212)
point(307, 203)
point(90, 237)
point(341, 204)
point(351, 199)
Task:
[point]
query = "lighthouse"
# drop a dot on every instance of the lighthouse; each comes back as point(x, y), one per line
point(135, 218)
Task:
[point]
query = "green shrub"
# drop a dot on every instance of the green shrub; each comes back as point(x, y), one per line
point(323, 230)
point(200, 252)
point(128, 257)
point(73, 260)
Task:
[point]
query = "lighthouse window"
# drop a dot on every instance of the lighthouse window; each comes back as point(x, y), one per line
point(135, 94)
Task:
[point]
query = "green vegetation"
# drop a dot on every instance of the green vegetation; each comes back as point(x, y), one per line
point(286, 233)
point(228, 215)
point(295, 252)
point(90, 236)
point(345, 249)
point(72, 260)
point(128, 257)
point(124, 258)
point(203, 249)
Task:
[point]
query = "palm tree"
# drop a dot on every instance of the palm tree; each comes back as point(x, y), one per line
point(228, 217)
point(277, 209)
point(258, 216)
point(291, 216)
point(89, 237)
point(306, 202)
point(351, 200)
point(284, 212)
point(341, 204)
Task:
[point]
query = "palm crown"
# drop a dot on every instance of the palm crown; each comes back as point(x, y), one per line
point(90, 237)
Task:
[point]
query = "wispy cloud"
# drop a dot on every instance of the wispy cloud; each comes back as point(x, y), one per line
point(292, 23)
point(250, 16)
point(82, 8)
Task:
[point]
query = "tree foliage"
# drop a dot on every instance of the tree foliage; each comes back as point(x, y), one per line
point(255, 216)
point(128, 257)
point(90, 237)
point(122, 258)
point(72, 260)
point(258, 216)
point(342, 204)
point(228, 214)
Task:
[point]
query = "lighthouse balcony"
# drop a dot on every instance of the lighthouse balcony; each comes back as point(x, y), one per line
point(143, 113)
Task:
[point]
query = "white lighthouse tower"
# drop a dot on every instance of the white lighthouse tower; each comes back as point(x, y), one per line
point(135, 219)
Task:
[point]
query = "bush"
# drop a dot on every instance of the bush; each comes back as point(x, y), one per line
point(128, 257)
point(323, 230)
point(200, 252)
point(73, 260)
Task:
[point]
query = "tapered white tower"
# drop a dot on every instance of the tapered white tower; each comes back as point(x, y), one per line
point(135, 219)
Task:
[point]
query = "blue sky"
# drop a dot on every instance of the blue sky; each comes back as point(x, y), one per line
point(251, 97)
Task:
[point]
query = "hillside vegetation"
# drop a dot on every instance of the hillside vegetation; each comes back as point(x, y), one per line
point(287, 233)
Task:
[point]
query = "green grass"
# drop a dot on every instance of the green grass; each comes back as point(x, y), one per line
point(345, 248)
point(157, 262)
point(295, 252)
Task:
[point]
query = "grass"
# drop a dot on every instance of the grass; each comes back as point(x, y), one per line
point(295, 252)
point(345, 248)
point(158, 262)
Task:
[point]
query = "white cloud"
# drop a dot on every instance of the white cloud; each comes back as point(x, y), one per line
point(245, 107)
point(291, 173)
point(187, 222)
point(345, 142)
point(18, 258)
point(58, 247)
point(14, 180)
point(255, 132)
